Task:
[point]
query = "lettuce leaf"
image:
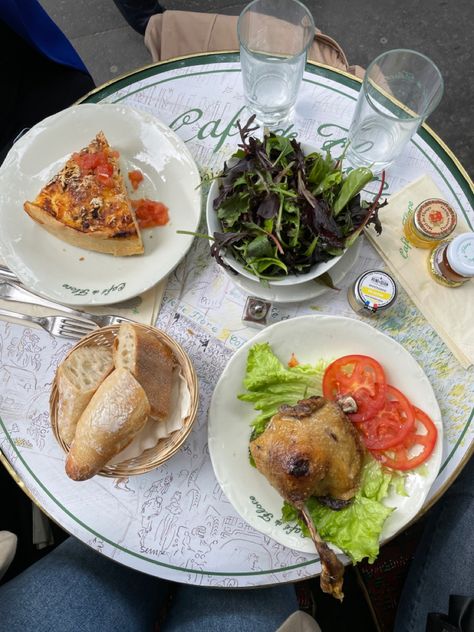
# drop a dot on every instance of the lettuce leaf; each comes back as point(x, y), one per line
point(270, 384)
point(356, 529)
point(265, 369)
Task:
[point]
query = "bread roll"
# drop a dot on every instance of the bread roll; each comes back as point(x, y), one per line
point(79, 376)
point(117, 411)
point(151, 362)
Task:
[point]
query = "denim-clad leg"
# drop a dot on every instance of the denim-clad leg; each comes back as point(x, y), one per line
point(444, 561)
point(75, 589)
point(228, 610)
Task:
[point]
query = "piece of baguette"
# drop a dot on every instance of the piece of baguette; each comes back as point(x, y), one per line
point(117, 411)
point(79, 376)
point(151, 362)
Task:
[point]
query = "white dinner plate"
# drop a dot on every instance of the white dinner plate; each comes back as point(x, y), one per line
point(303, 291)
point(311, 338)
point(72, 275)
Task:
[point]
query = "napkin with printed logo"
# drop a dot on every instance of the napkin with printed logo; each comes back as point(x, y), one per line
point(450, 311)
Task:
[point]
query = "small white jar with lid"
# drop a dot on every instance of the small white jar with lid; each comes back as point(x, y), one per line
point(372, 292)
point(451, 263)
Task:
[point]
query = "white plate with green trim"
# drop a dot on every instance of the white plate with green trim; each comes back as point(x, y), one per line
point(311, 338)
point(72, 275)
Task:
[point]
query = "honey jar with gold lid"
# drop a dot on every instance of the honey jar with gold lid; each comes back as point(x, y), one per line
point(429, 223)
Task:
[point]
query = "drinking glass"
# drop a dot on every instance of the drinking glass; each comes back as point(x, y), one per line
point(274, 36)
point(400, 89)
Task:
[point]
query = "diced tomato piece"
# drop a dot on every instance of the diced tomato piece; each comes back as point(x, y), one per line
point(391, 425)
point(360, 377)
point(104, 171)
point(293, 361)
point(87, 162)
point(135, 178)
point(150, 213)
point(402, 456)
point(96, 163)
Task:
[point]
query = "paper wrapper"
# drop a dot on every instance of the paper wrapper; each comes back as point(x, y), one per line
point(450, 311)
point(153, 431)
point(142, 309)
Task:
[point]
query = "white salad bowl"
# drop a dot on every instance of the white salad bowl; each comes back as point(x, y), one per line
point(214, 225)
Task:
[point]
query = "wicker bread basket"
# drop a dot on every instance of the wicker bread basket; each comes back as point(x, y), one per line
point(165, 448)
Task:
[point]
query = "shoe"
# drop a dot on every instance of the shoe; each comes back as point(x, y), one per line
point(8, 542)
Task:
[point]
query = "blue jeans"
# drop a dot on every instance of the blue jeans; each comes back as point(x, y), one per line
point(444, 561)
point(74, 589)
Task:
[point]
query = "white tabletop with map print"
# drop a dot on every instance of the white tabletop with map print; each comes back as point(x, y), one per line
point(175, 522)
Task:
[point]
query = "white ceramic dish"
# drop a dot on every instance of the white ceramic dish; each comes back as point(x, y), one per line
point(214, 225)
point(302, 291)
point(310, 338)
point(72, 275)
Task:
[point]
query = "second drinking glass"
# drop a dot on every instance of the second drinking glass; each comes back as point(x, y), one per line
point(400, 89)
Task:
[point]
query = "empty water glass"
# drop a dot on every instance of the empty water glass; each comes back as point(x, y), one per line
point(274, 37)
point(400, 89)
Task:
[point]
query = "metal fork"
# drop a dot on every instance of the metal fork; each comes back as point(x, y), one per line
point(56, 325)
point(12, 292)
point(7, 274)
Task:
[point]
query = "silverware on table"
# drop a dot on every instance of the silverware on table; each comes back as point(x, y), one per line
point(60, 326)
point(7, 274)
point(10, 291)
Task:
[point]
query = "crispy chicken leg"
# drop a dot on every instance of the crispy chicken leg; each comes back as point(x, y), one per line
point(311, 449)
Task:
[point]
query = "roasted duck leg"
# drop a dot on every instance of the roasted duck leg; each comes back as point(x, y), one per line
point(312, 449)
point(332, 569)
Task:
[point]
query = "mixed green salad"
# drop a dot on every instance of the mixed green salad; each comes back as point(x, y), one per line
point(282, 212)
point(355, 529)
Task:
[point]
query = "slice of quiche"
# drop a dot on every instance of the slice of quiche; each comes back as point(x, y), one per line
point(86, 204)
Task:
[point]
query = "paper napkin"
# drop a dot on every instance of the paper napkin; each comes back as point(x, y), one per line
point(450, 311)
point(143, 308)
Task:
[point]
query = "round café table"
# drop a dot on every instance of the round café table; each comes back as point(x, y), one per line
point(175, 521)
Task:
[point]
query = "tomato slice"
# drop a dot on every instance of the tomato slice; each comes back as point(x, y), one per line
point(401, 456)
point(392, 424)
point(362, 378)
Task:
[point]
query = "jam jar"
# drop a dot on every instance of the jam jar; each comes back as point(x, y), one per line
point(429, 223)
